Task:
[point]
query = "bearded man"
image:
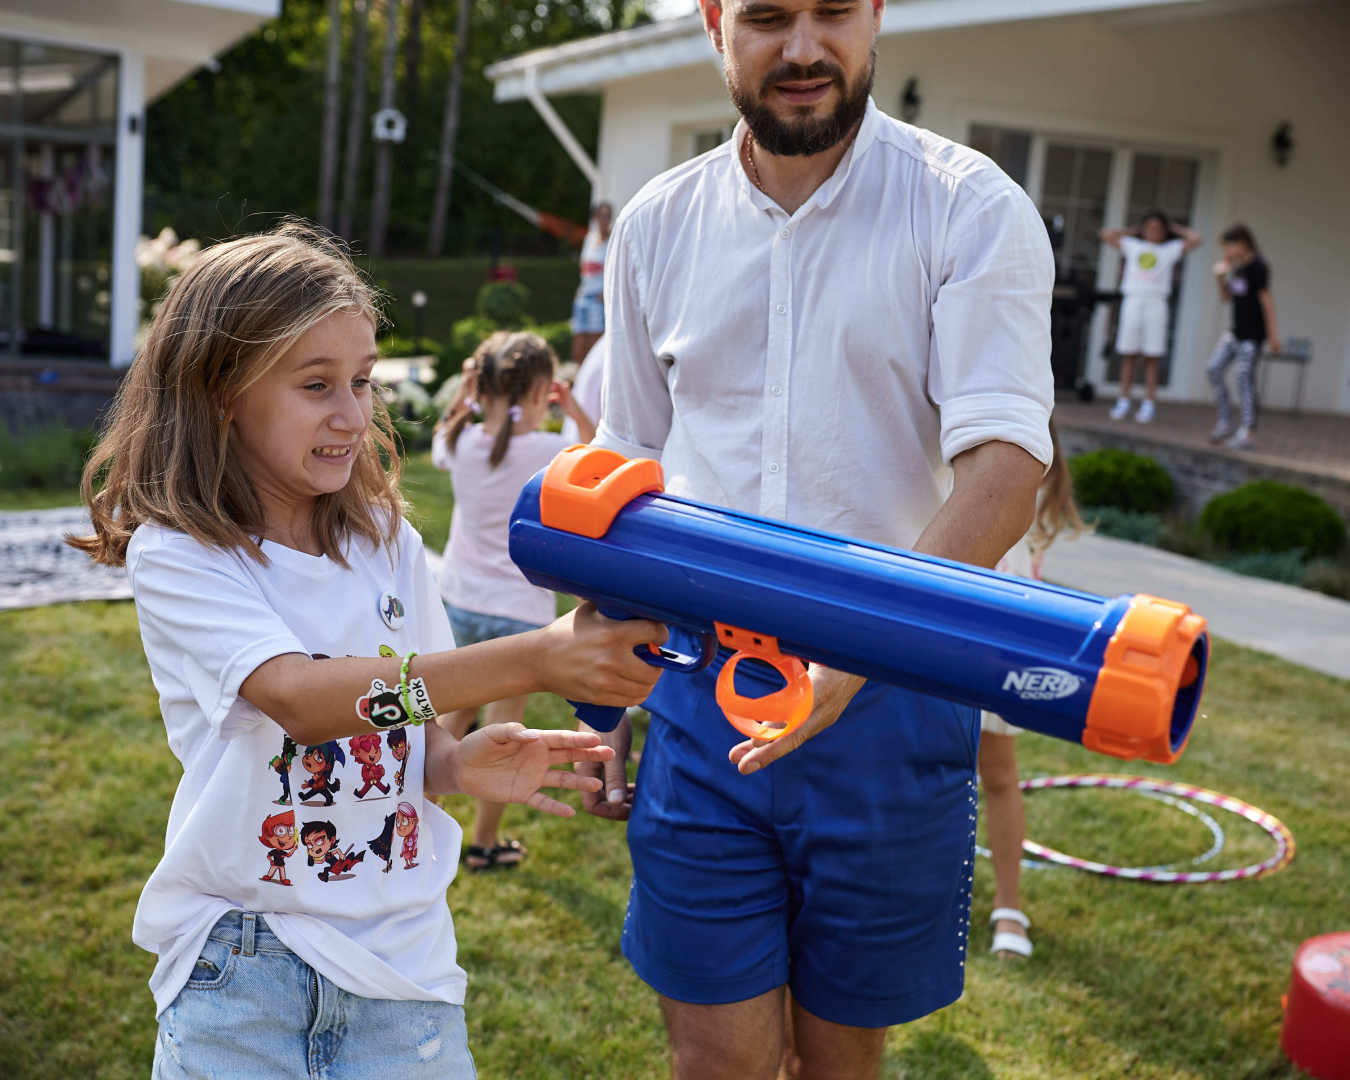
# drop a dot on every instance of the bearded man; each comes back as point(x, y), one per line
point(843, 322)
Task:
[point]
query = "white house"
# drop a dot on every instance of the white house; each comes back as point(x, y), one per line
point(1102, 109)
point(75, 79)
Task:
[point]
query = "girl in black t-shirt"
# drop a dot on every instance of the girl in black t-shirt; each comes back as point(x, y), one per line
point(1243, 278)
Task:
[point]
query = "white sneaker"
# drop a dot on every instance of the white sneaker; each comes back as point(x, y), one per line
point(1220, 433)
point(1120, 409)
point(1242, 440)
point(1145, 414)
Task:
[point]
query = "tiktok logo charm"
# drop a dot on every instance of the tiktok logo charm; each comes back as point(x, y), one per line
point(391, 611)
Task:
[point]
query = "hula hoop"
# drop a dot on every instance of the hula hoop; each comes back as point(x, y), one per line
point(1279, 832)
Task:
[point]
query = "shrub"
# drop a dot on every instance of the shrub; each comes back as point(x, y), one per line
point(395, 346)
point(1124, 524)
point(503, 304)
point(50, 458)
point(1283, 566)
point(1329, 576)
point(559, 338)
point(1268, 516)
point(1126, 481)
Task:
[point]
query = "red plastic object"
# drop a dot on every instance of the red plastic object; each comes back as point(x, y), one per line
point(1316, 1032)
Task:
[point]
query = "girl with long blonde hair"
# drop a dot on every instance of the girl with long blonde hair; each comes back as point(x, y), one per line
point(248, 481)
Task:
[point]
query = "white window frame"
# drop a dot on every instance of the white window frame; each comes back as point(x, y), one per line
point(128, 184)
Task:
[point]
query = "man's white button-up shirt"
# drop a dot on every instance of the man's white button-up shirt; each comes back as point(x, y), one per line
point(824, 368)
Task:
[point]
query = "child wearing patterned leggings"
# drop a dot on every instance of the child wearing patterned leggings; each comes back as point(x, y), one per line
point(1244, 278)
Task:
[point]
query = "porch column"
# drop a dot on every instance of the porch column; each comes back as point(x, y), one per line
point(127, 196)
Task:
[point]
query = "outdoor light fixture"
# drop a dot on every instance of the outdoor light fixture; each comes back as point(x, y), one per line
point(419, 303)
point(389, 126)
point(1282, 142)
point(910, 102)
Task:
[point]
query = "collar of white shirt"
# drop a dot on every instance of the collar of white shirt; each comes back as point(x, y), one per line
point(825, 194)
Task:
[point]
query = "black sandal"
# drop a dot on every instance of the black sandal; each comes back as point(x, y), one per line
point(513, 849)
point(493, 856)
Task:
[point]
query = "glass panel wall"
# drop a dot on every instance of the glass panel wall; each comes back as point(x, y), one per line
point(58, 111)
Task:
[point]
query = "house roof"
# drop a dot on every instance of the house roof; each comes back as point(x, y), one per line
point(175, 36)
point(588, 64)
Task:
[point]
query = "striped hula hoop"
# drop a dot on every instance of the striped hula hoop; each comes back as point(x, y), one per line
point(1279, 832)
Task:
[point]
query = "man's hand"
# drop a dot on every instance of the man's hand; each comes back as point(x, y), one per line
point(510, 763)
point(832, 690)
point(612, 795)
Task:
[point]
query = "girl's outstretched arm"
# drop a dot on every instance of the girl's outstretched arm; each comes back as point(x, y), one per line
point(582, 656)
point(510, 763)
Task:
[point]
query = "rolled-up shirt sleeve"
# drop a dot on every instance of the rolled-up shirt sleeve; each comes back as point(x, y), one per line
point(989, 370)
point(635, 405)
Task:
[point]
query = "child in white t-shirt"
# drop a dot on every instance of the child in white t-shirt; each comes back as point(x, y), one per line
point(509, 382)
point(1004, 820)
point(249, 482)
point(1151, 251)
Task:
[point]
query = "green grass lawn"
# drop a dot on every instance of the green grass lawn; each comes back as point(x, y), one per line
point(1128, 980)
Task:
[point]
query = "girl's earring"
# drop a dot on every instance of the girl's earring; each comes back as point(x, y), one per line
point(221, 416)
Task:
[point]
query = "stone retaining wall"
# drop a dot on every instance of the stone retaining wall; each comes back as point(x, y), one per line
point(1202, 474)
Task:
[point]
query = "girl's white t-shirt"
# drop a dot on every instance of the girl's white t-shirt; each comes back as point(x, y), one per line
point(377, 926)
point(478, 574)
point(1148, 267)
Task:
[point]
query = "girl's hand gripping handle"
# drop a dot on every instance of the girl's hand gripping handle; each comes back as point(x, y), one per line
point(607, 717)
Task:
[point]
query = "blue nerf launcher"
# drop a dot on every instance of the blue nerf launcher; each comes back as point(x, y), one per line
point(1122, 677)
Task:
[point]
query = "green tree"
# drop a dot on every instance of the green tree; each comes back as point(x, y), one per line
point(230, 150)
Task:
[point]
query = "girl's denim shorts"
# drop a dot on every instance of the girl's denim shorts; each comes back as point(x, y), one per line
point(253, 1010)
point(471, 627)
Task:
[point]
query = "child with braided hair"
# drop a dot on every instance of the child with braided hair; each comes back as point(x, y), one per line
point(508, 383)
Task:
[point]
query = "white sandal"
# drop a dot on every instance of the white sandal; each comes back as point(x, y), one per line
point(1006, 941)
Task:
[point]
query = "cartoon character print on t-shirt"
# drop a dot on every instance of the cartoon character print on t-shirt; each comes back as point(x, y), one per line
point(281, 765)
point(366, 750)
point(406, 826)
point(383, 845)
point(320, 761)
point(1147, 260)
point(402, 822)
point(325, 849)
point(278, 836)
point(399, 747)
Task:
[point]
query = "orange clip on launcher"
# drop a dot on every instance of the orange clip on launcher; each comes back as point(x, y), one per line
point(1120, 676)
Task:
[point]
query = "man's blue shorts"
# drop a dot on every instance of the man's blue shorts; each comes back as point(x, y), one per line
point(843, 869)
point(588, 315)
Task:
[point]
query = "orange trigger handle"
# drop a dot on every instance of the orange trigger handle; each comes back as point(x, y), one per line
point(774, 715)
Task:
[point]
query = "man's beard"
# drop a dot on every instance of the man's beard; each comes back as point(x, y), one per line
point(802, 138)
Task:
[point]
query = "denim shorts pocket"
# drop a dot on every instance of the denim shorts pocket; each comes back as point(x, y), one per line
point(214, 968)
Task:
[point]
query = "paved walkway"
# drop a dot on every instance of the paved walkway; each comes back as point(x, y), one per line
point(1296, 624)
point(38, 568)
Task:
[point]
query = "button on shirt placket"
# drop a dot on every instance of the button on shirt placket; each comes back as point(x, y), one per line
point(777, 369)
